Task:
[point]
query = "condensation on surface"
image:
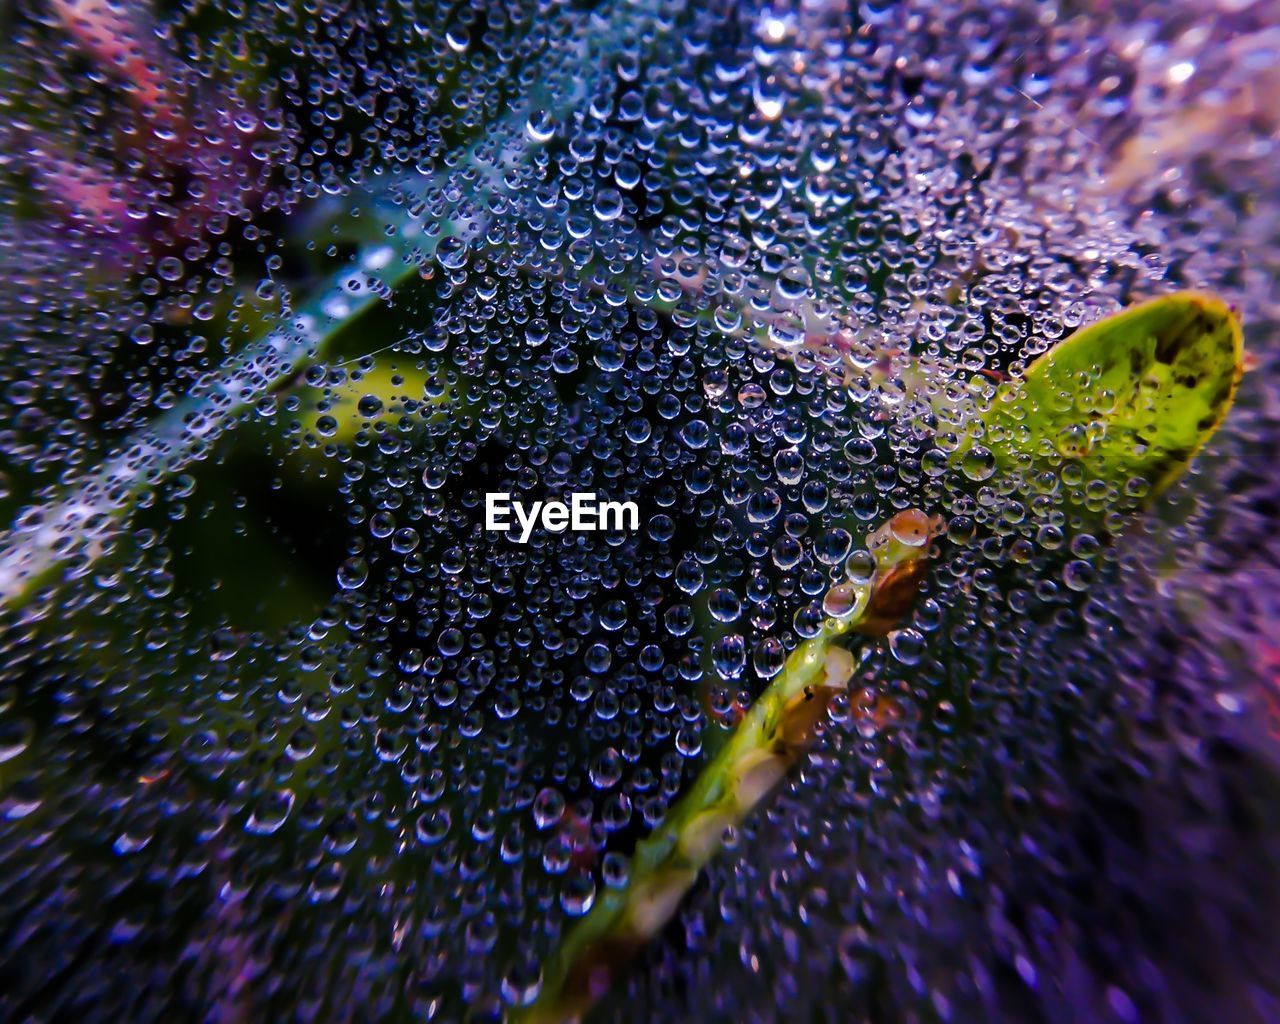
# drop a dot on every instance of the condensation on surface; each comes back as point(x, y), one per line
point(289, 288)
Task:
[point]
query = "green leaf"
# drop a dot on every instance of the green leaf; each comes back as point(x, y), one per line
point(1131, 397)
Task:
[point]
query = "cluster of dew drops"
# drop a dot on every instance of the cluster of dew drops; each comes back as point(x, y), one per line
point(300, 736)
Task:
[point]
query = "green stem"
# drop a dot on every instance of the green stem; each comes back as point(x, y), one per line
point(772, 736)
point(1129, 398)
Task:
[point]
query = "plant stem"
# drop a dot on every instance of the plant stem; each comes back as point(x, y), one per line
point(773, 735)
point(1163, 371)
